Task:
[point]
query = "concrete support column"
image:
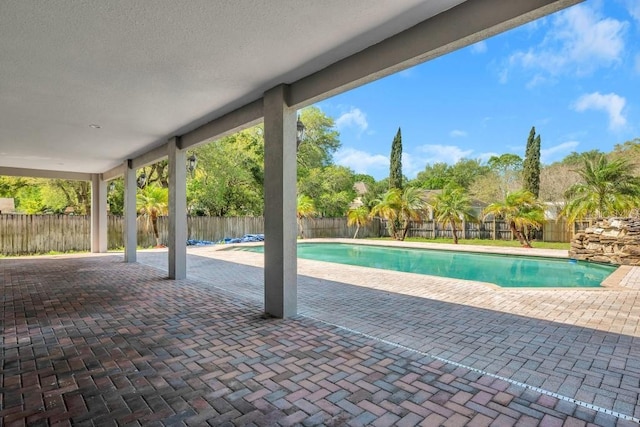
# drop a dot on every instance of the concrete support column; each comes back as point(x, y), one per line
point(130, 213)
point(280, 254)
point(177, 211)
point(98, 214)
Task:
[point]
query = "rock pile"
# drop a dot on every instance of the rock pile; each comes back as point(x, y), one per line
point(613, 240)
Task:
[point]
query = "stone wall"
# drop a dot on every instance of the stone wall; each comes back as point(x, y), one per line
point(613, 240)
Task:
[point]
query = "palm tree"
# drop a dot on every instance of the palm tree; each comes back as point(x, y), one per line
point(521, 210)
point(608, 188)
point(399, 208)
point(413, 207)
point(305, 209)
point(152, 201)
point(358, 216)
point(452, 206)
point(386, 207)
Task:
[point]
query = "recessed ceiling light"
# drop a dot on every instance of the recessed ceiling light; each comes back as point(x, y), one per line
point(94, 126)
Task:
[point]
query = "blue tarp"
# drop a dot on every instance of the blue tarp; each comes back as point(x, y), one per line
point(227, 240)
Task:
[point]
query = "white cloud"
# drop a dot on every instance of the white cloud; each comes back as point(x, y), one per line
point(634, 9)
point(537, 80)
point(456, 133)
point(353, 118)
point(409, 72)
point(411, 165)
point(549, 155)
point(435, 153)
point(578, 42)
point(361, 161)
point(480, 47)
point(611, 103)
point(484, 157)
point(415, 162)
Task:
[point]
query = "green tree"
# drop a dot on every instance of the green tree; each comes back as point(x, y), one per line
point(305, 208)
point(452, 206)
point(465, 171)
point(433, 177)
point(331, 188)
point(359, 217)
point(320, 141)
point(399, 208)
point(115, 196)
point(152, 202)
point(229, 178)
point(531, 166)
point(461, 174)
point(156, 174)
point(387, 206)
point(395, 166)
point(29, 199)
point(375, 190)
point(77, 194)
point(521, 210)
point(606, 188)
point(630, 150)
point(39, 195)
point(503, 177)
point(576, 159)
point(53, 199)
point(413, 207)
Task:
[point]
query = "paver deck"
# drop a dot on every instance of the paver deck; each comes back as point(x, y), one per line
point(89, 340)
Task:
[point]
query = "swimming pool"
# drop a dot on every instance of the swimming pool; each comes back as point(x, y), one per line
point(502, 270)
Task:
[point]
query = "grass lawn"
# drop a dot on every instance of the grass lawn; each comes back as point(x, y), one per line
point(487, 242)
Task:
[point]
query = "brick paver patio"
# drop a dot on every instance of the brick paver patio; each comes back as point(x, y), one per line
point(89, 340)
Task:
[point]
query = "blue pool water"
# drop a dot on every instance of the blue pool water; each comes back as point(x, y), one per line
point(502, 270)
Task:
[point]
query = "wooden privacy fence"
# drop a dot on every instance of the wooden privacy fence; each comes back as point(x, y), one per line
point(552, 231)
point(29, 234)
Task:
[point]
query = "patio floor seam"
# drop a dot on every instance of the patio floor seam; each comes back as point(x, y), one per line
point(480, 371)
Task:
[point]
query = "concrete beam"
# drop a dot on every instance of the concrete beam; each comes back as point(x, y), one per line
point(235, 121)
point(150, 157)
point(42, 173)
point(453, 29)
point(114, 173)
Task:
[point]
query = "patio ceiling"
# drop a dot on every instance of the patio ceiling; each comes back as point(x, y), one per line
point(144, 71)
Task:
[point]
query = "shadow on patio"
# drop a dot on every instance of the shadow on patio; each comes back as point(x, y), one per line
point(89, 340)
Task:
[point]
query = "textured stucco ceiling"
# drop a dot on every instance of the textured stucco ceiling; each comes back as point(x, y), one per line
point(147, 70)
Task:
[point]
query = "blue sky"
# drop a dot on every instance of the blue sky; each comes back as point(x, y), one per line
point(574, 75)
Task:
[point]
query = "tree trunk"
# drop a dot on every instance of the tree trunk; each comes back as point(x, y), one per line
point(393, 229)
point(405, 230)
point(455, 232)
point(525, 237)
point(357, 229)
point(300, 228)
point(518, 234)
point(156, 234)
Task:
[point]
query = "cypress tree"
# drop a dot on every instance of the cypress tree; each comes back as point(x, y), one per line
point(395, 166)
point(531, 166)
